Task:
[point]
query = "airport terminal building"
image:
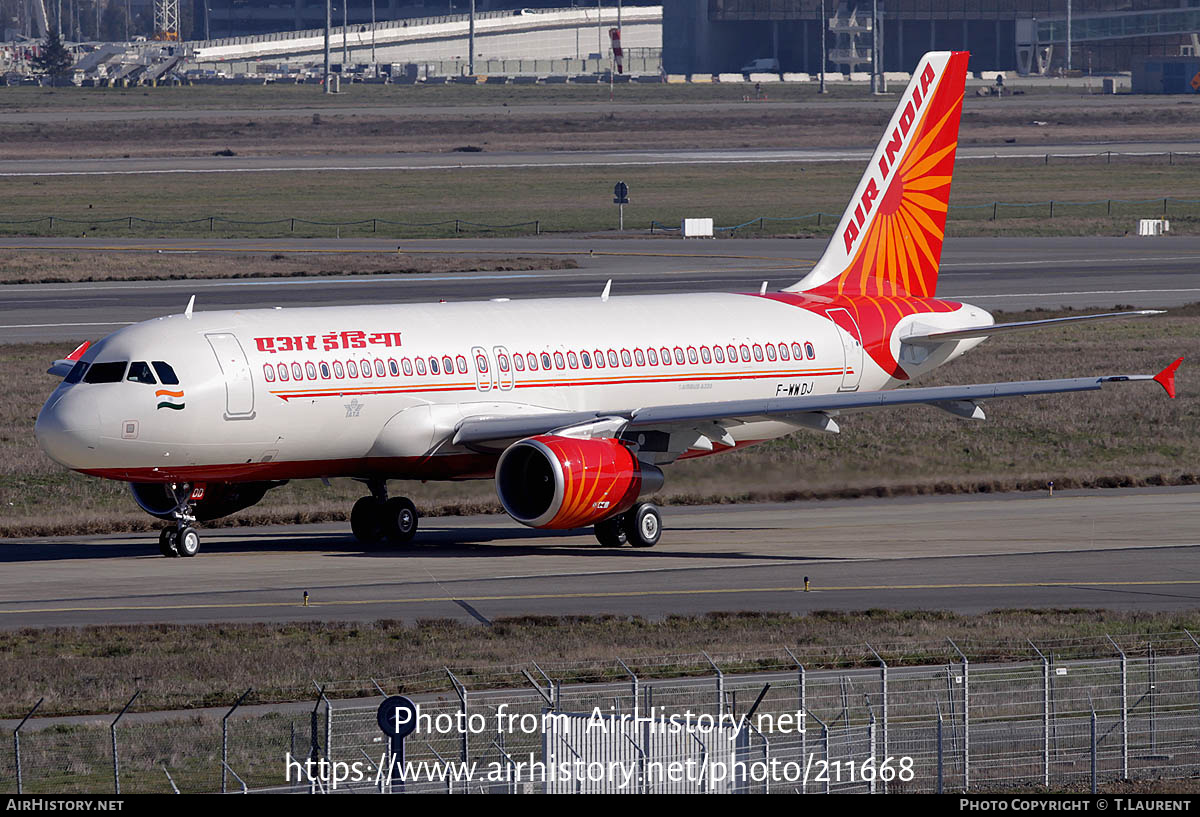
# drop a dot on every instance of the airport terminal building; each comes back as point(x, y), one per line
point(1030, 36)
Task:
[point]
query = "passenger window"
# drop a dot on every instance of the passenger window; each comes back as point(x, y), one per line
point(719, 354)
point(393, 367)
point(379, 368)
point(364, 366)
point(269, 372)
point(433, 365)
point(545, 361)
point(612, 358)
point(653, 356)
point(338, 371)
point(421, 366)
point(783, 351)
point(297, 372)
point(501, 361)
point(558, 360)
point(625, 358)
point(533, 361)
point(448, 365)
point(139, 372)
point(518, 363)
point(639, 357)
point(351, 368)
point(599, 359)
point(462, 364)
point(166, 375)
point(283, 371)
point(797, 352)
point(665, 353)
point(573, 360)
point(732, 351)
point(325, 370)
point(692, 358)
point(705, 354)
point(770, 352)
point(810, 351)
point(407, 364)
point(758, 353)
point(745, 353)
point(678, 355)
point(587, 360)
point(311, 371)
point(105, 373)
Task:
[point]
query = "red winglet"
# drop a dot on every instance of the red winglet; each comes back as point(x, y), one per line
point(1166, 378)
point(79, 350)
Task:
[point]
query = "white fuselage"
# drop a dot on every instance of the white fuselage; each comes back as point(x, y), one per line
point(268, 394)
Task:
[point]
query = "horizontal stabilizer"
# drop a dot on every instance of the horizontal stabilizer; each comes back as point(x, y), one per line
point(934, 338)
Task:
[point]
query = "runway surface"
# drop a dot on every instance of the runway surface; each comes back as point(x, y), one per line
point(377, 162)
point(1127, 549)
point(995, 273)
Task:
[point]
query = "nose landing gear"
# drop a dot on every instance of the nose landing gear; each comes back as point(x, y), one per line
point(641, 526)
point(181, 539)
point(376, 519)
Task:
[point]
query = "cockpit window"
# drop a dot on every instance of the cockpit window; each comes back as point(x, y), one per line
point(139, 372)
point(76, 373)
point(105, 373)
point(166, 375)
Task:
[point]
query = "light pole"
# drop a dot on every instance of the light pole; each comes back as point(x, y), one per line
point(471, 41)
point(345, 53)
point(823, 26)
point(328, 25)
point(374, 65)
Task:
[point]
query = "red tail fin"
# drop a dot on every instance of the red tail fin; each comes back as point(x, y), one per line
point(889, 241)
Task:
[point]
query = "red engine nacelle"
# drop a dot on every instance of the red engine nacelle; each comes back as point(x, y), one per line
point(562, 482)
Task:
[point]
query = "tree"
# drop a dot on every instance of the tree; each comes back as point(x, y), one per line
point(54, 58)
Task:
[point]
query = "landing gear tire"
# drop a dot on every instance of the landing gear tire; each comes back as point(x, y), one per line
point(168, 542)
point(611, 532)
point(399, 518)
point(366, 520)
point(188, 542)
point(643, 525)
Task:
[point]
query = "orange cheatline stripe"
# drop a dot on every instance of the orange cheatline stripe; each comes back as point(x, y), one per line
point(165, 393)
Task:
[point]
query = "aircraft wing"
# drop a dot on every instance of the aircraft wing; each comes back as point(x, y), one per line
point(960, 400)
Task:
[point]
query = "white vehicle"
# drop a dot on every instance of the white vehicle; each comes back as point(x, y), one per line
point(765, 65)
point(572, 405)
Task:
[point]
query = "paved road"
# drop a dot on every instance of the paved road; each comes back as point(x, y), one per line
point(377, 162)
point(996, 273)
point(1134, 549)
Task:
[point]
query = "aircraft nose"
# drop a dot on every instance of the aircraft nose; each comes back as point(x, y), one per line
point(68, 429)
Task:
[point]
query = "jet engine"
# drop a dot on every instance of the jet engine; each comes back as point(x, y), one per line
point(220, 499)
point(563, 482)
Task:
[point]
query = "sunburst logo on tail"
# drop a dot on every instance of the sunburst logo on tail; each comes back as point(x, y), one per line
point(170, 399)
point(889, 241)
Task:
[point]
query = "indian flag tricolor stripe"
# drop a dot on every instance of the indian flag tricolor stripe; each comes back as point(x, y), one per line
point(170, 399)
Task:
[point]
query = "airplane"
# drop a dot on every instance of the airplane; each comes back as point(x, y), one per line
point(572, 405)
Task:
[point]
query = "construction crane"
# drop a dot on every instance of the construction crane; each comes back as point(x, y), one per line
point(166, 19)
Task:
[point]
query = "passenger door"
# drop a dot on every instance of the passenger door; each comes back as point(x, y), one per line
point(239, 386)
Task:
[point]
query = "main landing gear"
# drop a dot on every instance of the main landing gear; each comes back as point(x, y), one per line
point(640, 526)
point(180, 538)
point(376, 519)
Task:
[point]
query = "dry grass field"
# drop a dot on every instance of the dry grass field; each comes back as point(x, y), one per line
point(1127, 435)
point(578, 199)
point(91, 669)
point(24, 267)
point(283, 119)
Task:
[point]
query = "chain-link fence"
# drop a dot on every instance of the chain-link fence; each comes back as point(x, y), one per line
point(838, 721)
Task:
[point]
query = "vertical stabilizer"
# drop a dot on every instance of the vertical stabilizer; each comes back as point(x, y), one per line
point(889, 241)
